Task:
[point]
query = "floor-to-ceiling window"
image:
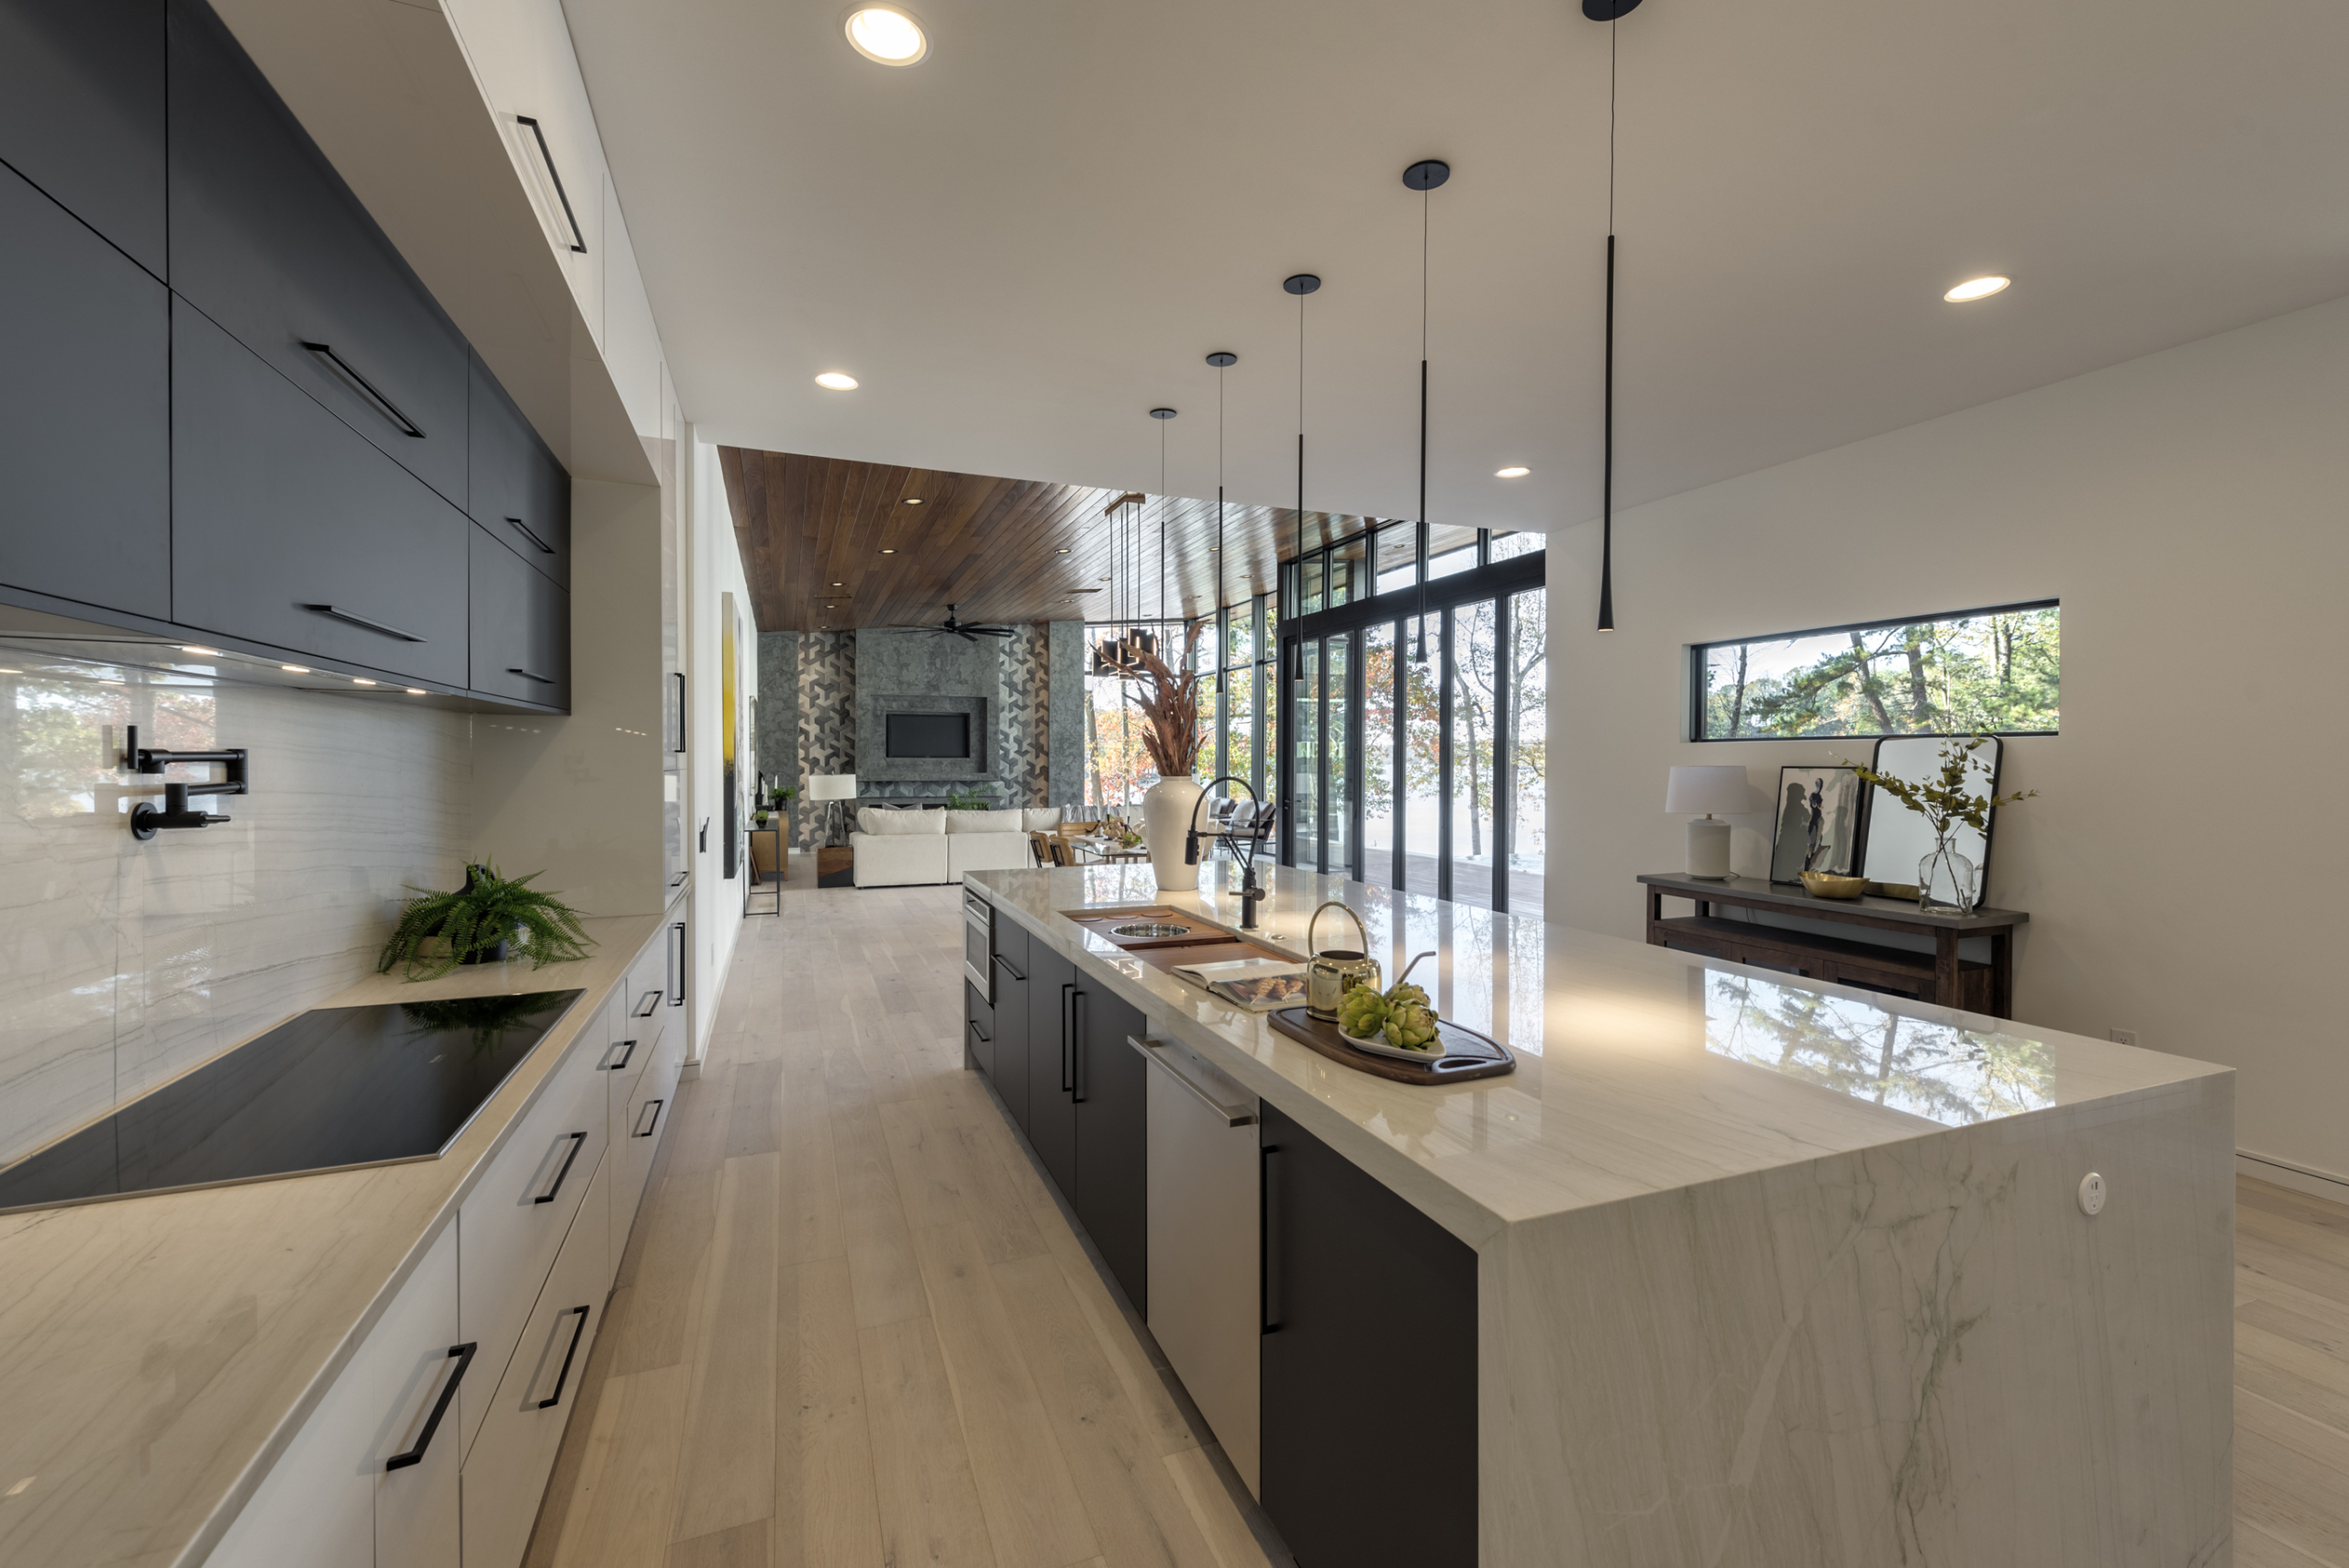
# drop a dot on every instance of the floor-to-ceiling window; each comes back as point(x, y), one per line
point(1415, 685)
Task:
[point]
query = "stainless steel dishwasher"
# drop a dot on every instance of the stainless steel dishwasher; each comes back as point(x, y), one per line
point(1204, 1309)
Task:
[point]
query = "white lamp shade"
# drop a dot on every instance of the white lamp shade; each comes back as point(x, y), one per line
point(1708, 790)
point(843, 786)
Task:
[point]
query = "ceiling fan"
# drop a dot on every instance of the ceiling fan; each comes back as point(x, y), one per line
point(951, 627)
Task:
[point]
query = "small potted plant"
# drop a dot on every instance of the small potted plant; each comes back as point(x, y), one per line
point(487, 919)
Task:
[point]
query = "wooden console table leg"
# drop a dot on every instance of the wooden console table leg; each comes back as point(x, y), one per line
point(2002, 974)
point(1655, 916)
point(1948, 990)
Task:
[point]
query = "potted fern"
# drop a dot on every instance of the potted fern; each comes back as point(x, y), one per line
point(486, 920)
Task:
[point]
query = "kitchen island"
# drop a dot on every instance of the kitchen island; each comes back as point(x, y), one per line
point(1751, 1271)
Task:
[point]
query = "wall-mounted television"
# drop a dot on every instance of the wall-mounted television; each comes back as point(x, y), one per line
point(929, 735)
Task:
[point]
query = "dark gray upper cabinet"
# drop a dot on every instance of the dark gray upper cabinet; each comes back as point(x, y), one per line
point(267, 242)
point(521, 628)
point(82, 113)
point(85, 481)
point(1369, 1348)
point(289, 530)
point(518, 492)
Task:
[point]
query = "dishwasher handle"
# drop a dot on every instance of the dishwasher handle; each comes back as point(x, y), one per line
point(1232, 1115)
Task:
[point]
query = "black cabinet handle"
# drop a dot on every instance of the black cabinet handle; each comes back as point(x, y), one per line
point(340, 614)
point(1076, 1051)
point(465, 1354)
point(650, 1123)
point(1007, 969)
point(578, 1333)
point(544, 547)
point(985, 1037)
point(628, 1053)
point(578, 241)
point(679, 676)
point(408, 426)
point(578, 1142)
point(644, 1008)
point(529, 675)
point(1268, 1300)
point(677, 956)
point(1066, 1008)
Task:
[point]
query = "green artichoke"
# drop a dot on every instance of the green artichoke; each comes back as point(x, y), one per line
point(1403, 994)
point(1412, 1028)
point(1361, 1012)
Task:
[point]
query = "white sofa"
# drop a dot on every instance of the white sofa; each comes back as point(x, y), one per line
point(899, 849)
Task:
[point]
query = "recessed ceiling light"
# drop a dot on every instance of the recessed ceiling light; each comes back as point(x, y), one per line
point(888, 552)
point(361, 681)
point(887, 36)
point(1064, 550)
point(833, 381)
point(295, 669)
point(192, 648)
point(1977, 288)
point(839, 584)
point(416, 691)
point(913, 500)
point(1513, 471)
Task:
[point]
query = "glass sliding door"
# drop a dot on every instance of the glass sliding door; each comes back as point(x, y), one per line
point(1380, 799)
point(1305, 757)
point(1339, 667)
point(1474, 668)
point(1421, 767)
point(1524, 796)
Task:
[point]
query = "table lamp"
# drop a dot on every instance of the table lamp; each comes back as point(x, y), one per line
point(830, 787)
point(1708, 790)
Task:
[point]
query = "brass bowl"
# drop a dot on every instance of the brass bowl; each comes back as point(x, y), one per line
point(1826, 885)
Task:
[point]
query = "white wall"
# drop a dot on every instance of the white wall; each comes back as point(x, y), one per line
point(713, 568)
point(2187, 509)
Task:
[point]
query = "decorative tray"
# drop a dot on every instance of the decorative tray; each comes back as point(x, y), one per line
point(1466, 1054)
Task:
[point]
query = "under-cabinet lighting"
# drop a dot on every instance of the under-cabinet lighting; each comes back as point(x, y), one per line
point(295, 669)
point(416, 691)
point(1977, 288)
point(206, 652)
point(361, 681)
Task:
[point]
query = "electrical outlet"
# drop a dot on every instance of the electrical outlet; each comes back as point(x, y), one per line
point(2122, 1037)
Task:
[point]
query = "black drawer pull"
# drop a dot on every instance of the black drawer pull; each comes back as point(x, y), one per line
point(340, 614)
point(529, 675)
point(985, 1037)
point(1067, 1007)
point(646, 1130)
point(1007, 969)
point(408, 426)
point(578, 241)
point(578, 1142)
point(465, 1354)
point(644, 1008)
point(626, 1049)
point(1268, 1260)
point(544, 546)
point(578, 1333)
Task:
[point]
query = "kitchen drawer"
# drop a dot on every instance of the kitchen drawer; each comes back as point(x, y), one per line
point(516, 490)
point(511, 1226)
point(978, 1028)
point(85, 415)
point(633, 1042)
point(329, 1502)
point(82, 114)
point(267, 240)
point(507, 1468)
point(277, 509)
point(521, 628)
point(648, 1120)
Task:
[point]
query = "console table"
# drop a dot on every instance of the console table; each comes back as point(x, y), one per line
point(1938, 976)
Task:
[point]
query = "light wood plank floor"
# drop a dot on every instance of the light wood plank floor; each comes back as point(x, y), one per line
point(854, 1331)
point(853, 1327)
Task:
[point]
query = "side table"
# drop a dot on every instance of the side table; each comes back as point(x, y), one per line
point(1938, 976)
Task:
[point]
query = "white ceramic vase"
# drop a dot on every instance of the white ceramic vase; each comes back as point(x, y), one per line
point(1166, 809)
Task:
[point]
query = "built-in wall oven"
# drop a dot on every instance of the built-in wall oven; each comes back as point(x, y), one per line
point(978, 944)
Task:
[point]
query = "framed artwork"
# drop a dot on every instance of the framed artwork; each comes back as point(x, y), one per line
point(1822, 822)
point(730, 725)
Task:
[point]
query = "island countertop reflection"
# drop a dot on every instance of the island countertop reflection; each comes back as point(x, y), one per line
point(1640, 1069)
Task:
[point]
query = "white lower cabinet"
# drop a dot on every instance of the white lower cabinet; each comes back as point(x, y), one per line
point(637, 1137)
point(331, 1501)
point(505, 1472)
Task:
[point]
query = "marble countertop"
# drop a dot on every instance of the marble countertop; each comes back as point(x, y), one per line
point(157, 1353)
point(1640, 1070)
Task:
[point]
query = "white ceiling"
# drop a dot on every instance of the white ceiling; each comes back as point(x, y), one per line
point(1023, 243)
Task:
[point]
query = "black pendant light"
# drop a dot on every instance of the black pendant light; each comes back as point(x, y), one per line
point(1609, 11)
point(1222, 360)
point(1165, 502)
point(1300, 285)
point(1423, 177)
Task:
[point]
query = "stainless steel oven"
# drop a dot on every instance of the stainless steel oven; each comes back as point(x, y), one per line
point(978, 944)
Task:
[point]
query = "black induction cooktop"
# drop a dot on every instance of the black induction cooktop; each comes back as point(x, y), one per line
point(333, 1088)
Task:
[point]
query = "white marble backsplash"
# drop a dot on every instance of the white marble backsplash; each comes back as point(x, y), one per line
point(123, 963)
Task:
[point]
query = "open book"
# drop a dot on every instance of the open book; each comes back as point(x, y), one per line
point(1258, 985)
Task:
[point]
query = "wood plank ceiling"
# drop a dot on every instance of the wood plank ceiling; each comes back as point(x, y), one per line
point(834, 544)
